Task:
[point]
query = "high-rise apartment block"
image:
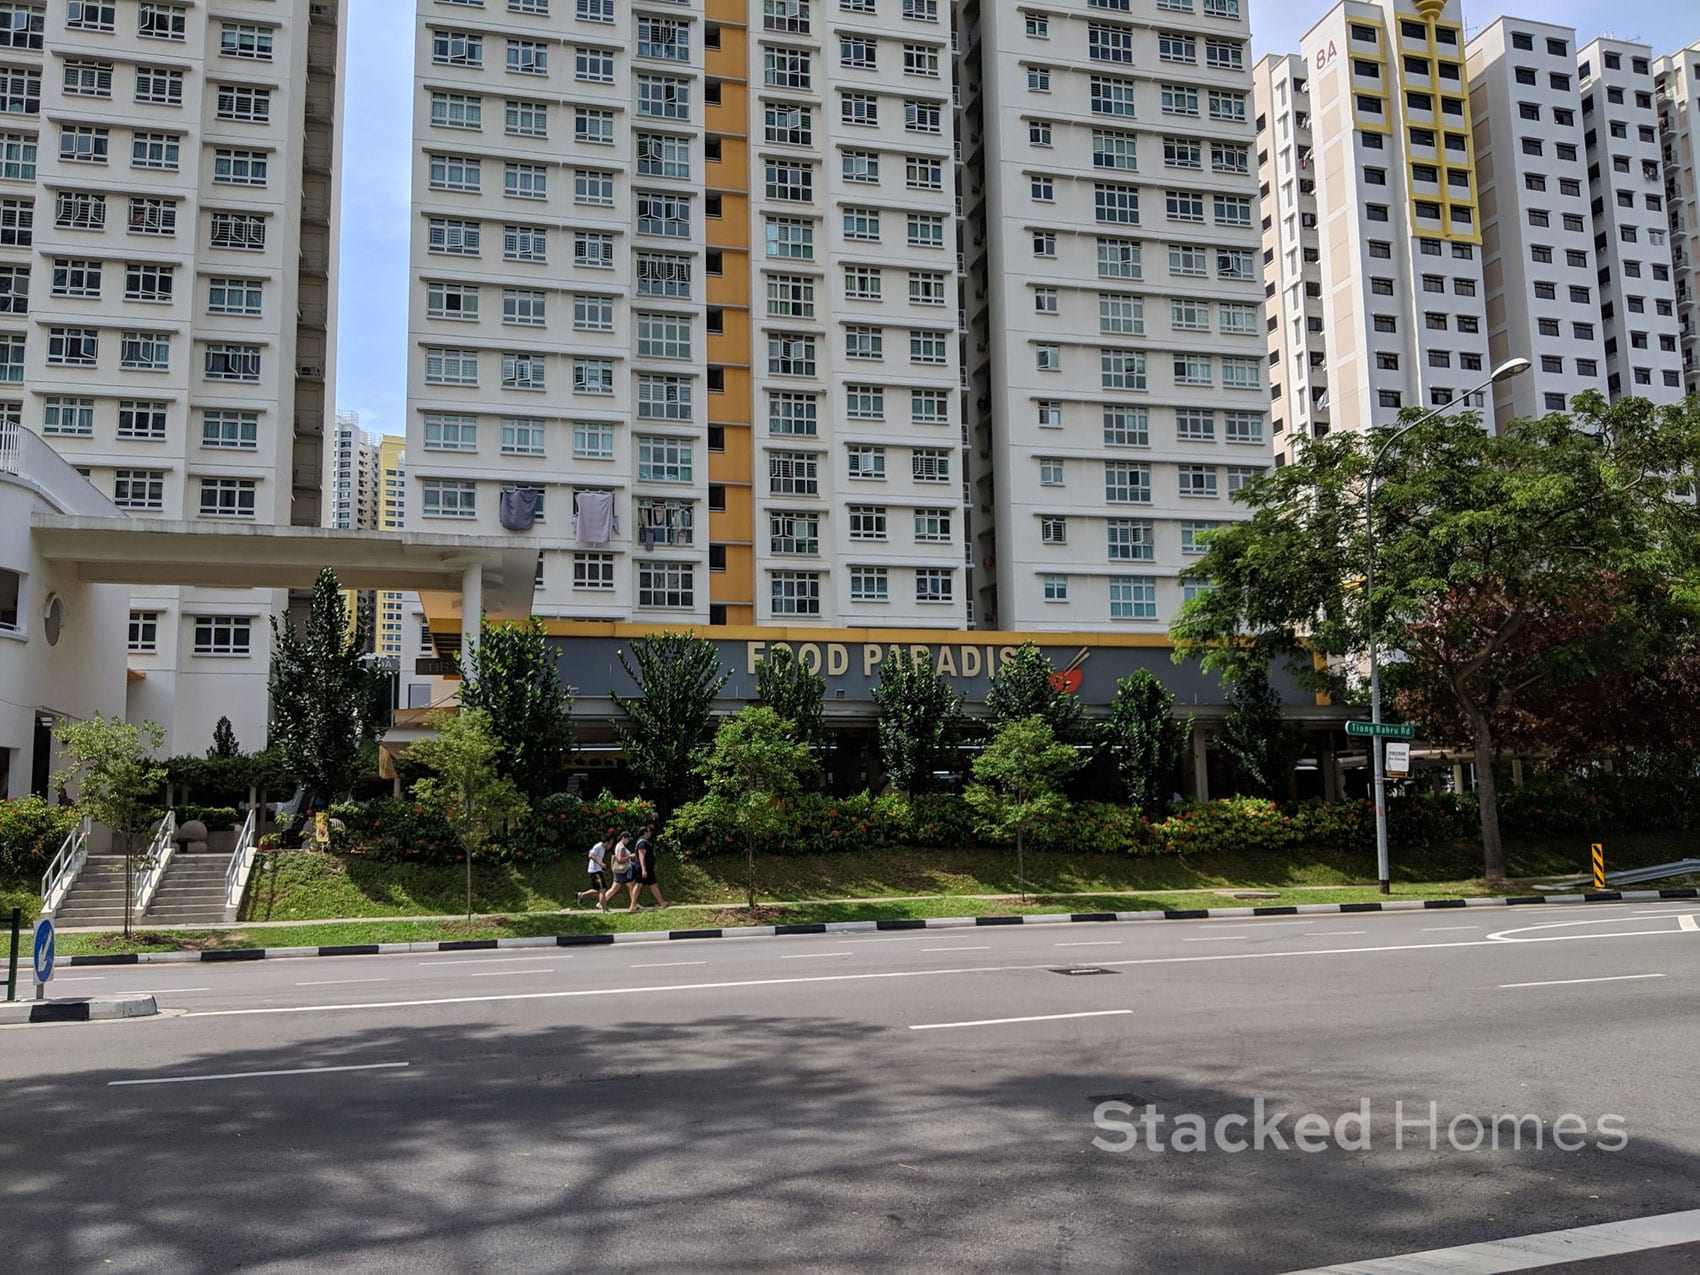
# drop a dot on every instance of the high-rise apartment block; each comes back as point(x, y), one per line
point(1677, 85)
point(1530, 209)
point(1115, 351)
point(836, 311)
point(167, 197)
point(354, 475)
point(1372, 227)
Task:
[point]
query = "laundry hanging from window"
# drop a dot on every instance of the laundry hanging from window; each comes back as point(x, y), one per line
point(519, 507)
point(594, 523)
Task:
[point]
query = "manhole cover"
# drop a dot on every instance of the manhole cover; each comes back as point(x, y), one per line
point(1075, 970)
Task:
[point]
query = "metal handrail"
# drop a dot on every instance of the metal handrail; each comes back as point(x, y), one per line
point(241, 863)
point(157, 857)
point(61, 874)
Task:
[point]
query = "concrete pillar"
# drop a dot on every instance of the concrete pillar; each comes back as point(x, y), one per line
point(1458, 778)
point(471, 605)
point(1200, 766)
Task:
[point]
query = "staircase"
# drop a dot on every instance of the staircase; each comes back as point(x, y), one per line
point(97, 898)
point(191, 893)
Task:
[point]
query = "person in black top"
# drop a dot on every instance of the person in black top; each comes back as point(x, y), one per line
point(646, 867)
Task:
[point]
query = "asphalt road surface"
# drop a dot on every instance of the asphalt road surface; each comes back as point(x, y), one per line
point(892, 1101)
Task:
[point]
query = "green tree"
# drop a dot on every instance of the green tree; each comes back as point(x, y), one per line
point(1025, 685)
point(1257, 737)
point(224, 745)
point(755, 765)
point(466, 783)
point(1480, 540)
point(512, 675)
point(325, 697)
point(1018, 783)
point(919, 716)
point(678, 676)
point(1145, 740)
point(117, 781)
point(789, 689)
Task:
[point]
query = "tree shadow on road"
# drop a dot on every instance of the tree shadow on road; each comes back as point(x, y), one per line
point(728, 1143)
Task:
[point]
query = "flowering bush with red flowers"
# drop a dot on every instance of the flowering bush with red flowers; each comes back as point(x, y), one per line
point(31, 831)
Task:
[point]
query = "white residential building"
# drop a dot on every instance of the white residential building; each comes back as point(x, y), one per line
point(1677, 85)
point(1539, 258)
point(1372, 234)
point(167, 193)
point(354, 476)
point(1116, 392)
point(1631, 225)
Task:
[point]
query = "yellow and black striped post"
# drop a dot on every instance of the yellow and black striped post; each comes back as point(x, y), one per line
point(1599, 853)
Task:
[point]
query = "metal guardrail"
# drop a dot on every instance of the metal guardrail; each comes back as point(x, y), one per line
point(61, 874)
point(241, 863)
point(155, 860)
point(1636, 876)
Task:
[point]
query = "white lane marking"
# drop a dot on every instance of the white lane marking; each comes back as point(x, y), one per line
point(809, 956)
point(78, 978)
point(332, 982)
point(1435, 929)
point(1526, 1252)
point(1093, 943)
point(1688, 922)
point(1332, 934)
point(886, 974)
point(248, 1075)
point(986, 948)
point(1566, 982)
point(1032, 1018)
point(463, 962)
point(661, 965)
point(1504, 936)
point(547, 969)
point(1218, 938)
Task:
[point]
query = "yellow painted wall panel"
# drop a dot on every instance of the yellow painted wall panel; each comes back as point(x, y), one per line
point(732, 228)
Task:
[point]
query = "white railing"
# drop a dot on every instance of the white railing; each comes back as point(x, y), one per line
point(11, 447)
point(61, 874)
point(155, 860)
point(241, 863)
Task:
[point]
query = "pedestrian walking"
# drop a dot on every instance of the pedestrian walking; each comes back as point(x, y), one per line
point(646, 868)
point(625, 872)
point(598, 877)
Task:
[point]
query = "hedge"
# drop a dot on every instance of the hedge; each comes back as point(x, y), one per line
point(31, 831)
point(562, 824)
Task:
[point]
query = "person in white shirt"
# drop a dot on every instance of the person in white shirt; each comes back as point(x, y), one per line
point(598, 881)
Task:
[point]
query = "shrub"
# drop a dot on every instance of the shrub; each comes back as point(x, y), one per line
point(31, 831)
point(216, 818)
point(1236, 824)
point(412, 832)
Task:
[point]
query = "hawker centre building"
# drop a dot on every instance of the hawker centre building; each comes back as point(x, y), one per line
point(69, 561)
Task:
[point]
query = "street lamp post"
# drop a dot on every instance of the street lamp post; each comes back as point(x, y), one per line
point(1505, 371)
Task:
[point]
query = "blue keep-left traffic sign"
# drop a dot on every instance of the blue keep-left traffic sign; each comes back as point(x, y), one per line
point(43, 950)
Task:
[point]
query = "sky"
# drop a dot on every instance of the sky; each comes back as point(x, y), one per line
point(378, 130)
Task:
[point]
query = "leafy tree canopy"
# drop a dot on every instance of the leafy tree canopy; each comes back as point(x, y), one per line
point(678, 677)
point(919, 717)
point(784, 685)
point(512, 676)
point(1025, 685)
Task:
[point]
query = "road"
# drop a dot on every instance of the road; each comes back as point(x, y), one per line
point(921, 1100)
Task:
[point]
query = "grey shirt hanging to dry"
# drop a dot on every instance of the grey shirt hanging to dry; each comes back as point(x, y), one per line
point(519, 508)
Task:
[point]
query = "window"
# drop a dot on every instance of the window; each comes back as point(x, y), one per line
point(67, 416)
point(444, 366)
point(1055, 587)
point(1039, 79)
point(162, 21)
point(1175, 47)
point(85, 79)
point(72, 347)
point(74, 277)
point(522, 371)
point(1126, 426)
point(861, 166)
point(525, 181)
point(1133, 598)
point(663, 460)
point(1119, 259)
point(592, 440)
point(1053, 531)
point(139, 489)
point(796, 593)
point(593, 570)
point(1050, 471)
point(20, 91)
point(791, 532)
point(1122, 369)
point(247, 40)
point(522, 306)
point(790, 182)
point(144, 632)
point(525, 119)
point(21, 25)
point(1193, 425)
point(864, 343)
point(928, 347)
point(1240, 374)
point(868, 584)
point(792, 413)
point(791, 239)
point(593, 128)
point(455, 172)
point(239, 168)
point(662, 274)
point(446, 432)
point(933, 584)
point(925, 231)
point(798, 473)
point(449, 498)
point(11, 356)
point(223, 635)
point(668, 216)
point(867, 522)
point(789, 354)
point(864, 402)
point(249, 105)
point(1197, 480)
point(1038, 26)
point(1111, 95)
point(145, 351)
point(1120, 204)
point(89, 15)
point(664, 39)
point(231, 431)
point(17, 161)
point(1127, 483)
point(593, 312)
point(453, 238)
point(1193, 369)
point(1184, 205)
point(921, 172)
point(230, 362)
point(527, 57)
point(227, 497)
point(83, 145)
point(593, 376)
point(1106, 43)
point(1130, 539)
point(927, 287)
